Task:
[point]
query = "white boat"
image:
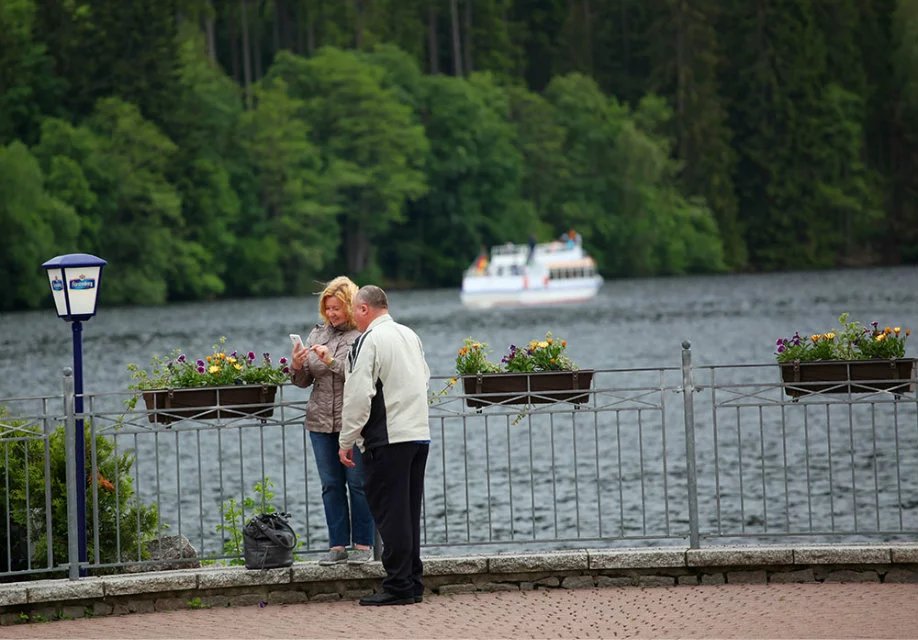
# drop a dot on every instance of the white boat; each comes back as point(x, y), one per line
point(555, 273)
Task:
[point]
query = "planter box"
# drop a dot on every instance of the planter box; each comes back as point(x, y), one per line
point(840, 376)
point(489, 389)
point(210, 403)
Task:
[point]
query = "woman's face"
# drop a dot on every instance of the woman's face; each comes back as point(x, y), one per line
point(334, 311)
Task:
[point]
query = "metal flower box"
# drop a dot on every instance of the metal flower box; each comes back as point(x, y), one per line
point(487, 389)
point(210, 403)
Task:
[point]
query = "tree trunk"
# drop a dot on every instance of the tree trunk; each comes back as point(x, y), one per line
point(256, 47)
point(358, 24)
point(211, 40)
point(457, 46)
point(467, 40)
point(433, 44)
point(246, 53)
point(358, 249)
point(276, 26)
point(231, 35)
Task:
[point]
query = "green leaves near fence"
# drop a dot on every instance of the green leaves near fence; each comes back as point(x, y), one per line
point(124, 523)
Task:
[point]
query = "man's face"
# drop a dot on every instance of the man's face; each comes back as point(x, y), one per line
point(361, 316)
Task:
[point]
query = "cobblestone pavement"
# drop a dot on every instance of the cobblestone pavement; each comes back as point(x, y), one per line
point(811, 610)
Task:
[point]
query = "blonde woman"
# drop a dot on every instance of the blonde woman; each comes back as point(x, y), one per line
point(320, 362)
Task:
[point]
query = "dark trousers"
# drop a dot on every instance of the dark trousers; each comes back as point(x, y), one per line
point(394, 484)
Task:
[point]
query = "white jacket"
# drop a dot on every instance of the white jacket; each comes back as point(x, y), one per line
point(385, 389)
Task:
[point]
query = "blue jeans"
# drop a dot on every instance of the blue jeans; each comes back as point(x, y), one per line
point(345, 524)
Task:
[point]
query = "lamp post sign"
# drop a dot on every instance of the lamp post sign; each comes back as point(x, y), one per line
point(75, 280)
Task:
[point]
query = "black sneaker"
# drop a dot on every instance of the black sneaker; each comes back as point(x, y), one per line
point(384, 598)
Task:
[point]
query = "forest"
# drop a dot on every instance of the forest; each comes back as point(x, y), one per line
point(239, 148)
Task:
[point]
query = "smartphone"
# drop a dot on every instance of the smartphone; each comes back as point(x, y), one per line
point(296, 340)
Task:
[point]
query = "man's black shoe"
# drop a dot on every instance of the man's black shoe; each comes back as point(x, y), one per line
point(419, 599)
point(384, 598)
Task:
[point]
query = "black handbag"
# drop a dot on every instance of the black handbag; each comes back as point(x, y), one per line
point(268, 541)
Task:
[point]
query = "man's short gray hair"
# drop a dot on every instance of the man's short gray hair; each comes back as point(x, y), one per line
point(373, 296)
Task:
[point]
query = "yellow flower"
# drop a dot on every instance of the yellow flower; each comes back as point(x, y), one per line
point(231, 360)
point(214, 368)
point(208, 358)
point(887, 330)
point(814, 338)
point(549, 341)
point(564, 343)
point(543, 344)
point(237, 366)
point(881, 337)
point(830, 336)
point(897, 330)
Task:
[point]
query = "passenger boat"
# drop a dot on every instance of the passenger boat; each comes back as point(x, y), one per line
point(520, 275)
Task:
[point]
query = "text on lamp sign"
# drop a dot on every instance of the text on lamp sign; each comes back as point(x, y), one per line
point(81, 283)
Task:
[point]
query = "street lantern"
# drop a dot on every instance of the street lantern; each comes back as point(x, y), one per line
point(75, 280)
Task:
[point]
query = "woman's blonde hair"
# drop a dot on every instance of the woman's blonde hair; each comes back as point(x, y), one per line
point(344, 289)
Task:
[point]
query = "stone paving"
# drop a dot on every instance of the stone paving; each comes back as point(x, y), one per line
point(811, 610)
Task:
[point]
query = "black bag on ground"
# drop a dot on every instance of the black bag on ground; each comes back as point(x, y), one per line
point(268, 541)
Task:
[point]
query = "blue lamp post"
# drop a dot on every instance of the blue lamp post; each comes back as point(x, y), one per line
point(75, 280)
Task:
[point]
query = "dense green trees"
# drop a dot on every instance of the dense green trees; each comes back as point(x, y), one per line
point(238, 148)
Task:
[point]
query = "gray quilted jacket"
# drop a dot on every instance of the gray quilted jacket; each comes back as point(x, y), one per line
point(324, 411)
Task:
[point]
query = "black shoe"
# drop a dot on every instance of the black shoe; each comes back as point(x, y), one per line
point(384, 598)
point(419, 599)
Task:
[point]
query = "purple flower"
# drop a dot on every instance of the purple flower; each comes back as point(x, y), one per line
point(286, 370)
point(200, 363)
point(233, 354)
point(283, 361)
point(181, 358)
point(251, 355)
point(201, 368)
point(875, 324)
point(780, 348)
point(779, 341)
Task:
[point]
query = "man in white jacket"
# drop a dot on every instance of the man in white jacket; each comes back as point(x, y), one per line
point(385, 413)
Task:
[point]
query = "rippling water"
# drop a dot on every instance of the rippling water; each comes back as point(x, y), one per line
point(631, 323)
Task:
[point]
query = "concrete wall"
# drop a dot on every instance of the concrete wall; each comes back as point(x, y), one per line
point(304, 582)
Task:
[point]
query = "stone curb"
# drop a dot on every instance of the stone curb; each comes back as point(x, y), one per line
point(477, 573)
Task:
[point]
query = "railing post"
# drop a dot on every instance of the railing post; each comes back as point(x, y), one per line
point(688, 401)
point(70, 439)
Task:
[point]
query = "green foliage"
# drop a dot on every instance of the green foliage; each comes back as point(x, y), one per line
point(676, 137)
point(35, 226)
point(124, 522)
point(538, 355)
point(472, 358)
point(297, 197)
point(853, 341)
point(179, 371)
point(235, 515)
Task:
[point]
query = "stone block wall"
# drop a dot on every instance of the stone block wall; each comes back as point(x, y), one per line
point(584, 569)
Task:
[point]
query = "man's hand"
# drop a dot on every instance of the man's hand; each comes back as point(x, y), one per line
point(346, 456)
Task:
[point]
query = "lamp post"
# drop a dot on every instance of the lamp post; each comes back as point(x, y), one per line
point(75, 280)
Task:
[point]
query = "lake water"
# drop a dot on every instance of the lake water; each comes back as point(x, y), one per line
point(631, 323)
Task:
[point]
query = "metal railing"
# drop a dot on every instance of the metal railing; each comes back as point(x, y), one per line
point(698, 455)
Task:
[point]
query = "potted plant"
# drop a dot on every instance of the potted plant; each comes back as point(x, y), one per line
point(537, 373)
point(832, 362)
point(220, 385)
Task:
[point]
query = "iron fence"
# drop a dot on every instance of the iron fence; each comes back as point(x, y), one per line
point(670, 455)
